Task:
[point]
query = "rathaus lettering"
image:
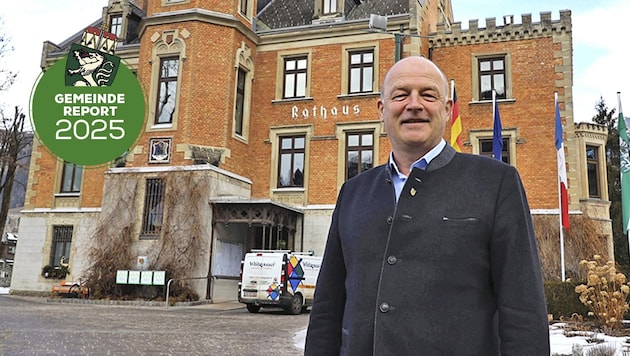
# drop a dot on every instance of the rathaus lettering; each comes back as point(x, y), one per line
point(323, 112)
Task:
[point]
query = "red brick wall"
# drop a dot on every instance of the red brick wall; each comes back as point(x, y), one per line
point(223, 6)
point(325, 88)
point(48, 182)
point(532, 112)
point(207, 98)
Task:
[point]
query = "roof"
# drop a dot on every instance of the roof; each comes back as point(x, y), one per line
point(76, 38)
point(291, 13)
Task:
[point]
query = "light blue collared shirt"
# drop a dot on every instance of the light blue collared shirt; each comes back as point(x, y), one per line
point(399, 179)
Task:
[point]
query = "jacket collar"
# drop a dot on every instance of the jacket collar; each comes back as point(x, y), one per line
point(441, 160)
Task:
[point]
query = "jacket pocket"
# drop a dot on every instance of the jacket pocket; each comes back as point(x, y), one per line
point(458, 221)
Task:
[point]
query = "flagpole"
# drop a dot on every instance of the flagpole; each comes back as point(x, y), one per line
point(623, 141)
point(494, 102)
point(562, 268)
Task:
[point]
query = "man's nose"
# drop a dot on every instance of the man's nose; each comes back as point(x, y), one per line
point(415, 102)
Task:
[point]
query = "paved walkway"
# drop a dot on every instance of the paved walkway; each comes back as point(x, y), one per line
point(39, 326)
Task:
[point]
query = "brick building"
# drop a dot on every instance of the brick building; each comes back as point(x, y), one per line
point(258, 111)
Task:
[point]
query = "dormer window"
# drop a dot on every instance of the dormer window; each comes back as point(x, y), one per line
point(115, 25)
point(328, 10)
point(330, 7)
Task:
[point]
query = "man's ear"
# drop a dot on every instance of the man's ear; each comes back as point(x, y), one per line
point(449, 108)
point(379, 107)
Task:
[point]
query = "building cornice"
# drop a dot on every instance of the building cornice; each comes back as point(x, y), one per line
point(199, 15)
point(329, 31)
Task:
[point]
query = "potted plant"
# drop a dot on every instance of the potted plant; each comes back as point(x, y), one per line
point(56, 272)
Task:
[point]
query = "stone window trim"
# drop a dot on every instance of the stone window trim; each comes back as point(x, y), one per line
point(174, 2)
point(166, 44)
point(341, 131)
point(118, 10)
point(362, 71)
point(246, 9)
point(511, 134)
point(359, 149)
point(475, 74)
point(294, 69)
point(281, 57)
point(296, 148)
point(71, 179)
point(244, 65)
point(275, 135)
point(600, 170)
point(165, 80)
point(347, 50)
point(116, 25)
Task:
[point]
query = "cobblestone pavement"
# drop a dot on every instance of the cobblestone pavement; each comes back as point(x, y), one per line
point(35, 326)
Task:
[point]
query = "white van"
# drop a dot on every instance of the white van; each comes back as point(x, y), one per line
point(278, 278)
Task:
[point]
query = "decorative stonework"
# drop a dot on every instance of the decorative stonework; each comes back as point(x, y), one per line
point(66, 202)
point(508, 32)
point(160, 150)
point(591, 131)
point(206, 155)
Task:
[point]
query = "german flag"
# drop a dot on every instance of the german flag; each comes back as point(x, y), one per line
point(456, 122)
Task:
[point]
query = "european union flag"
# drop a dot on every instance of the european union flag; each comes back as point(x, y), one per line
point(497, 137)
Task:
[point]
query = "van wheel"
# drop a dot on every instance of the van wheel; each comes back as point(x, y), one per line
point(295, 307)
point(252, 308)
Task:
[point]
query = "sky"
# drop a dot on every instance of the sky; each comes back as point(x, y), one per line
point(599, 41)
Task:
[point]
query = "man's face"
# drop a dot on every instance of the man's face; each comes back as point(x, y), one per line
point(414, 107)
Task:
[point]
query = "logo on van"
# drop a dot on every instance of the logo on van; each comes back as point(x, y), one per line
point(311, 265)
point(261, 264)
point(273, 291)
point(296, 272)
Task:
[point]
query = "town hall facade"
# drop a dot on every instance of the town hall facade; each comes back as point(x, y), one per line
point(258, 111)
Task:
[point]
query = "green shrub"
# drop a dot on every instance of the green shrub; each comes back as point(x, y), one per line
point(562, 301)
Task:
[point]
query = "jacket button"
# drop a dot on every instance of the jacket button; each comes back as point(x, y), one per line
point(384, 307)
point(390, 220)
point(392, 260)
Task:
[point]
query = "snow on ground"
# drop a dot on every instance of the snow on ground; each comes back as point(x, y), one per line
point(560, 343)
point(300, 338)
point(563, 345)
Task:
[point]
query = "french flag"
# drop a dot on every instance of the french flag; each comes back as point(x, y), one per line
point(562, 171)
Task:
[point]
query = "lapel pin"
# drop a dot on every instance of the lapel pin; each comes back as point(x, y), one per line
point(413, 192)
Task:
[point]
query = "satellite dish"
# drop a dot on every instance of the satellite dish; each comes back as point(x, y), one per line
point(378, 22)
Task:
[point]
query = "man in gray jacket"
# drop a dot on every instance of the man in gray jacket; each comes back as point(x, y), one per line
point(434, 252)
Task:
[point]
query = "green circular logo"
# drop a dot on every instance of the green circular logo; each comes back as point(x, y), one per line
point(86, 115)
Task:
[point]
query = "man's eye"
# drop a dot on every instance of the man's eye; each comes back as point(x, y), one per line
point(430, 97)
point(400, 96)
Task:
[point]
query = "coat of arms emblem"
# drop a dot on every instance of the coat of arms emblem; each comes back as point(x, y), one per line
point(92, 62)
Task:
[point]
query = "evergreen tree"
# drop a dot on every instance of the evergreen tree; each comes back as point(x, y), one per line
point(607, 117)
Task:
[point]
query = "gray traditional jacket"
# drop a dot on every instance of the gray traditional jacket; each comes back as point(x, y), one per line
point(452, 269)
